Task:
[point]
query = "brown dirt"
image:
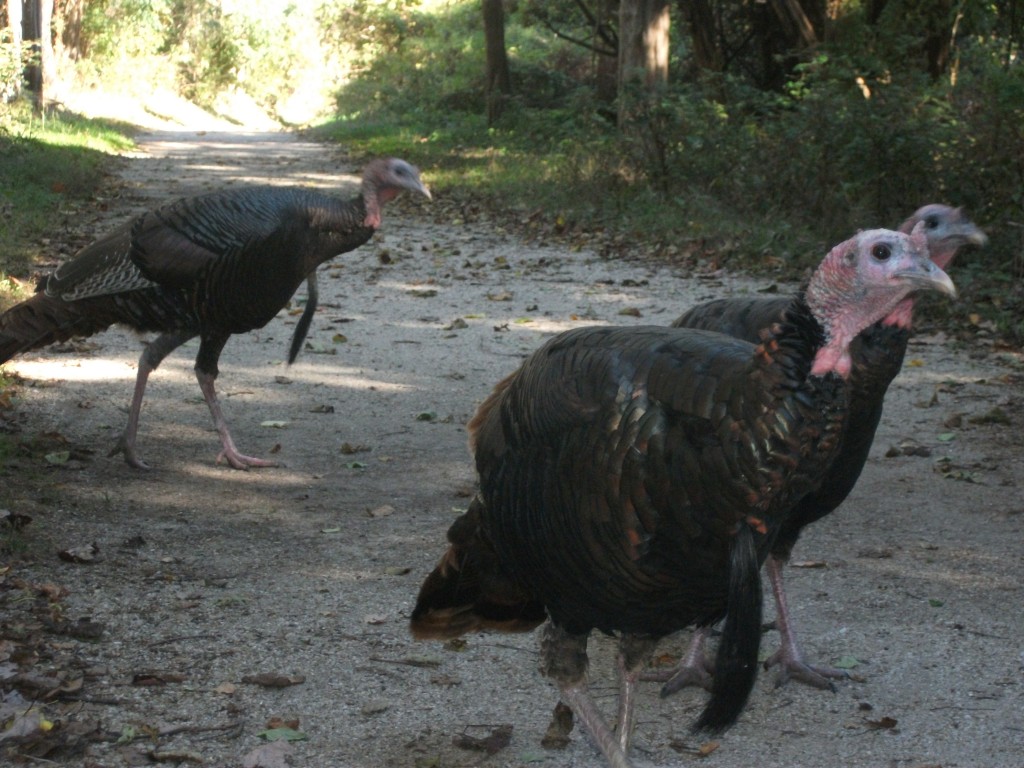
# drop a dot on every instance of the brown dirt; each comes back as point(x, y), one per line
point(206, 577)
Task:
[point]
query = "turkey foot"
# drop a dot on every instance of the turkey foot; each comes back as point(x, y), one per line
point(126, 446)
point(694, 670)
point(241, 461)
point(230, 454)
point(789, 657)
point(792, 666)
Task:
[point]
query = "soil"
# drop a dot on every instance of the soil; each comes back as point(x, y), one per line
point(178, 615)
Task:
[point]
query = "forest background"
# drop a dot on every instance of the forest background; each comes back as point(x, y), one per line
point(738, 134)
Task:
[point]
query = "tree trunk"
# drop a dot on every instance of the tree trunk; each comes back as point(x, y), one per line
point(499, 82)
point(37, 29)
point(707, 54)
point(14, 22)
point(47, 62)
point(795, 22)
point(643, 49)
point(605, 42)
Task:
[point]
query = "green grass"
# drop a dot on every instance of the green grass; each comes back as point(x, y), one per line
point(45, 166)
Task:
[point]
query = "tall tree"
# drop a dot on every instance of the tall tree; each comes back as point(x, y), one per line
point(643, 50)
point(12, 89)
point(499, 81)
point(37, 29)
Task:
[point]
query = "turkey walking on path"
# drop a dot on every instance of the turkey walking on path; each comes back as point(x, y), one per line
point(877, 358)
point(633, 479)
point(210, 266)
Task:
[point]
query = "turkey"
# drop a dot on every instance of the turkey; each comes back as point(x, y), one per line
point(210, 266)
point(633, 479)
point(877, 357)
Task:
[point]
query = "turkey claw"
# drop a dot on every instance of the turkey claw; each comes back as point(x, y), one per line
point(239, 461)
point(698, 676)
point(130, 457)
point(796, 669)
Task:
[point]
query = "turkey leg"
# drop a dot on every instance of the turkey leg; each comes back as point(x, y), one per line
point(563, 658)
point(633, 653)
point(151, 357)
point(694, 669)
point(790, 657)
point(206, 373)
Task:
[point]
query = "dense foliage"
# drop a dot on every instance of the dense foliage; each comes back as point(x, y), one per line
point(758, 152)
point(859, 134)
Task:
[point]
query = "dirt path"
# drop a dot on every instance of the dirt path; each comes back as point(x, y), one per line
point(207, 577)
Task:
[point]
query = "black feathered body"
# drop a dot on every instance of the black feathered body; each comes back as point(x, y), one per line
point(877, 355)
point(212, 265)
point(617, 465)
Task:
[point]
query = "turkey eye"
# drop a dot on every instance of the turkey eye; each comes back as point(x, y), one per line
point(881, 252)
point(931, 222)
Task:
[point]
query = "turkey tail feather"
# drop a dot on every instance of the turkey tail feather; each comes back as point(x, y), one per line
point(43, 320)
point(736, 661)
point(302, 328)
point(466, 592)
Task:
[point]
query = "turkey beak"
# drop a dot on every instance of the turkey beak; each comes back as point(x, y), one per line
point(422, 189)
point(975, 236)
point(928, 278)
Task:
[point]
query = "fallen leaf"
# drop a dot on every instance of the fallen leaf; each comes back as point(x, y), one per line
point(707, 748)
point(456, 325)
point(557, 734)
point(322, 409)
point(382, 511)
point(87, 553)
point(630, 312)
point(280, 722)
point(422, 293)
point(492, 743)
point(501, 296)
point(809, 564)
point(157, 678)
point(847, 662)
point(376, 707)
point(995, 416)
point(339, 338)
point(885, 723)
point(274, 424)
point(282, 734)
point(274, 680)
point(13, 519)
point(375, 619)
point(349, 448)
point(935, 602)
point(227, 689)
point(426, 416)
point(57, 457)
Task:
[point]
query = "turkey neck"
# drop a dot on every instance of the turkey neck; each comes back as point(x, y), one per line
point(804, 424)
point(336, 226)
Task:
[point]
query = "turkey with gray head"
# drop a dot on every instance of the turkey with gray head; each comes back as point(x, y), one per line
point(633, 479)
point(877, 355)
point(209, 266)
